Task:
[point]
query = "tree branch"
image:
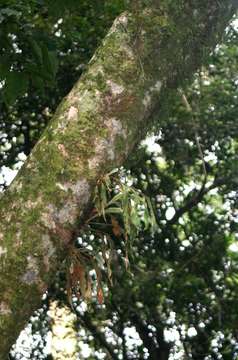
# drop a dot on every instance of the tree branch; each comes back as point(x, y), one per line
point(86, 320)
point(160, 351)
point(94, 130)
point(191, 202)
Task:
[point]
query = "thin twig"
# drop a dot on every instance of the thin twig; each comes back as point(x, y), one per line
point(190, 110)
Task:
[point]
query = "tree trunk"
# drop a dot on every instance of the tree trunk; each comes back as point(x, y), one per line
point(142, 59)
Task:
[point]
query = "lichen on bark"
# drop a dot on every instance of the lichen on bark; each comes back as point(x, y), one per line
point(94, 130)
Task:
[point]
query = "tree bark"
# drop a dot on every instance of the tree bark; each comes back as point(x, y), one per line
point(144, 57)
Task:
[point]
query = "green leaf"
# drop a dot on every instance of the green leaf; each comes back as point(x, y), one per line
point(36, 50)
point(4, 67)
point(115, 199)
point(50, 62)
point(16, 85)
point(113, 210)
point(38, 82)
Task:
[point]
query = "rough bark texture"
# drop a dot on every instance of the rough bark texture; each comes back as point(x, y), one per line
point(94, 129)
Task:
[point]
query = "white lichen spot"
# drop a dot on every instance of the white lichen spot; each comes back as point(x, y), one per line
point(19, 238)
point(128, 51)
point(49, 250)
point(79, 194)
point(32, 272)
point(101, 149)
point(62, 149)
point(153, 90)
point(48, 245)
point(121, 22)
point(68, 115)
point(115, 127)
point(3, 250)
point(116, 89)
point(61, 186)
point(68, 213)
point(96, 69)
point(4, 308)
point(80, 189)
point(105, 148)
point(29, 204)
point(157, 86)
point(47, 218)
point(147, 100)
point(88, 102)
point(73, 112)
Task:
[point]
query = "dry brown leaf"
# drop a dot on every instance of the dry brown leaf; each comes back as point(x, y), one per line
point(116, 229)
point(100, 295)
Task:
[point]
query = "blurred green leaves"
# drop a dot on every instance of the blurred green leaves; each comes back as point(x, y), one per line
point(36, 34)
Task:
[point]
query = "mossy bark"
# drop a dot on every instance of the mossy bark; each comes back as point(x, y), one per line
point(145, 54)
